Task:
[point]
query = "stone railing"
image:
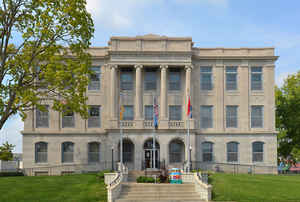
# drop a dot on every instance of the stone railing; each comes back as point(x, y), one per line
point(148, 124)
point(202, 187)
point(176, 124)
point(127, 124)
point(114, 183)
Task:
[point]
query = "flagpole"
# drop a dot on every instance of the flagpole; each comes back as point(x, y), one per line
point(121, 137)
point(188, 134)
point(153, 154)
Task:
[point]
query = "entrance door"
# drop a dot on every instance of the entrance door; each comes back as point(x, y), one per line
point(149, 154)
point(149, 160)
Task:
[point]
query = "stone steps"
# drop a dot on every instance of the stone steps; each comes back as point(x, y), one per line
point(143, 192)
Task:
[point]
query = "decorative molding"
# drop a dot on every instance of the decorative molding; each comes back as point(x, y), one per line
point(163, 67)
point(187, 67)
point(138, 66)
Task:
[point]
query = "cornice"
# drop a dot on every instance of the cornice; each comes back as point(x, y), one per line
point(235, 57)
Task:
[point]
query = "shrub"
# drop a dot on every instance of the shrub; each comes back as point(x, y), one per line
point(144, 179)
point(11, 174)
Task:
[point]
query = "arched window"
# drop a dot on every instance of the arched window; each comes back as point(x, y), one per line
point(94, 152)
point(67, 152)
point(232, 151)
point(176, 151)
point(257, 151)
point(41, 152)
point(128, 151)
point(207, 151)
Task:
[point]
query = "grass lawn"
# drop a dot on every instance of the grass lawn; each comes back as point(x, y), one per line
point(255, 188)
point(69, 188)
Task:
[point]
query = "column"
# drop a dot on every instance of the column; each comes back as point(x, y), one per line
point(138, 92)
point(113, 103)
point(163, 92)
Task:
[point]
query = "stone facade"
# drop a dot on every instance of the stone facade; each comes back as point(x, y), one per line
point(162, 54)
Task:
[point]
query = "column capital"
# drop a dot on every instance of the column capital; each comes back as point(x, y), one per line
point(137, 66)
point(187, 67)
point(163, 66)
point(112, 66)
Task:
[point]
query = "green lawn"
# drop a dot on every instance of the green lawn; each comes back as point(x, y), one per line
point(69, 188)
point(255, 188)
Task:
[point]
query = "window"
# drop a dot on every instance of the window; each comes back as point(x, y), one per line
point(174, 79)
point(231, 78)
point(41, 152)
point(128, 151)
point(257, 151)
point(94, 152)
point(67, 152)
point(175, 113)
point(257, 116)
point(126, 79)
point(68, 119)
point(231, 116)
point(42, 117)
point(207, 151)
point(148, 112)
point(150, 79)
point(206, 116)
point(95, 78)
point(232, 152)
point(206, 78)
point(42, 84)
point(94, 120)
point(128, 113)
point(176, 151)
point(256, 78)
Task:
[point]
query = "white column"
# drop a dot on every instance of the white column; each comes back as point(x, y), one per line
point(163, 92)
point(113, 97)
point(138, 92)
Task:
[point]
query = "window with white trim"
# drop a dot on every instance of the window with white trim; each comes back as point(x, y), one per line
point(94, 120)
point(206, 116)
point(231, 78)
point(231, 116)
point(257, 113)
point(95, 78)
point(206, 82)
point(42, 117)
point(232, 151)
point(256, 78)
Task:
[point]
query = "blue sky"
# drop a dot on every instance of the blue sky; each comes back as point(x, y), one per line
point(211, 23)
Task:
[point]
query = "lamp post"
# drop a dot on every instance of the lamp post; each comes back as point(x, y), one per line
point(112, 158)
point(190, 157)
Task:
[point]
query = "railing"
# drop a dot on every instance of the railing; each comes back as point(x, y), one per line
point(127, 124)
point(176, 124)
point(148, 124)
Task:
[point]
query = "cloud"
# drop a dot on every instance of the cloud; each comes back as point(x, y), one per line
point(11, 133)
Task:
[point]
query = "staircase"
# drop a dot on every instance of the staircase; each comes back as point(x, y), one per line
point(134, 174)
point(141, 192)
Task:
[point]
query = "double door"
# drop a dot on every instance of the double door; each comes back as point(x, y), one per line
point(149, 158)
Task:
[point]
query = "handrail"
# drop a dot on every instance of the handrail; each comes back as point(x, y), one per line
point(116, 180)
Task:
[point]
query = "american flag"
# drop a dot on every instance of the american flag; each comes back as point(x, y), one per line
point(155, 113)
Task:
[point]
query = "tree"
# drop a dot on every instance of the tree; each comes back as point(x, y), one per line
point(43, 56)
point(6, 152)
point(288, 117)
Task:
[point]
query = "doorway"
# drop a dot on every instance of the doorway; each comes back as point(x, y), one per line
point(149, 153)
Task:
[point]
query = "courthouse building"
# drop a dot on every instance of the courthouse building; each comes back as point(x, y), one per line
point(232, 98)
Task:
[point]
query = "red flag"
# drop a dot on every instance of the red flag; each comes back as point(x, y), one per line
point(189, 107)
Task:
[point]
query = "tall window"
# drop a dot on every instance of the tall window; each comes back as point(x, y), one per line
point(231, 116)
point(256, 78)
point(175, 113)
point(149, 112)
point(128, 113)
point(206, 116)
point(176, 151)
point(94, 152)
point(207, 151)
point(95, 78)
point(42, 117)
point(41, 152)
point(42, 84)
point(257, 151)
point(67, 152)
point(232, 152)
point(206, 78)
point(174, 79)
point(128, 151)
point(150, 79)
point(68, 120)
point(126, 79)
point(231, 78)
point(94, 120)
point(257, 116)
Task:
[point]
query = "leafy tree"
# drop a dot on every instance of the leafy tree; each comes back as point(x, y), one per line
point(288, 117)
point(6, 152)
point(43, 55)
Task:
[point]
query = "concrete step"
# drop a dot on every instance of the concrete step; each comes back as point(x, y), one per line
point(163, 197)
point(158, 200)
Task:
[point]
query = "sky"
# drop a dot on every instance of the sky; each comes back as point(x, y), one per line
point(210, 23)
